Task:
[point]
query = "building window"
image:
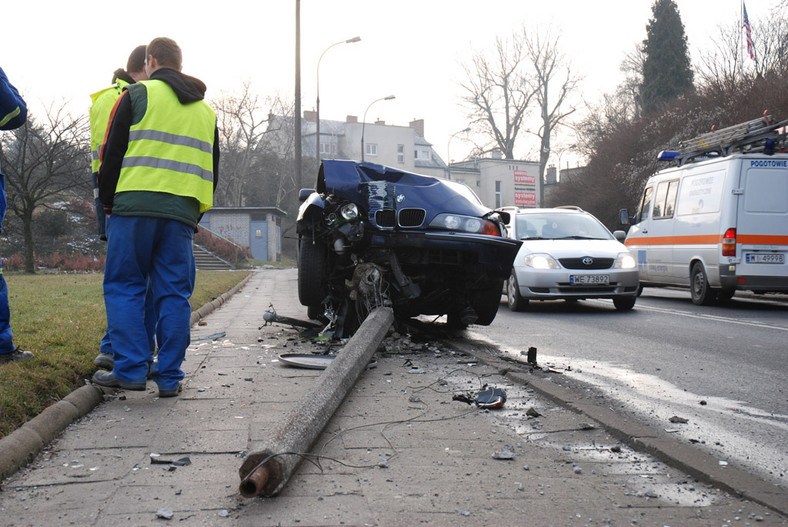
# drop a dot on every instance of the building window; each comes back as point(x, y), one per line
point(371, 149)
point(498, 195)
point(400, 154)
point(325, 148)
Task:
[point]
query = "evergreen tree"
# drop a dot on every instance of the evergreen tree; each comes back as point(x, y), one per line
point(666, 68)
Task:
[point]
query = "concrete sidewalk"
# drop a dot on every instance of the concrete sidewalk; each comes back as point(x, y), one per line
point(400, 450)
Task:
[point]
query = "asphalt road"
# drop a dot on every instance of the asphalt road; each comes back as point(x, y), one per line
point(720, 368)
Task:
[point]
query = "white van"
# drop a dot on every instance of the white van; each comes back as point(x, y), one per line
point(718, 222)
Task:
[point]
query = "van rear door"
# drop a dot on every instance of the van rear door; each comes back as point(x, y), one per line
point(762, 221)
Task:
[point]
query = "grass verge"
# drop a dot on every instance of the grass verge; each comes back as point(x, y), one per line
point(61, 319)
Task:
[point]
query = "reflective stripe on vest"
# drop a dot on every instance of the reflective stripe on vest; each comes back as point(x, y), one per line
point(100, 110)
point(16, 111)
point(171, 148)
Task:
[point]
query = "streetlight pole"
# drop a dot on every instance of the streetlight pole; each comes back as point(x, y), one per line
point(317, 102)
point(364, 120)
point(448, 150)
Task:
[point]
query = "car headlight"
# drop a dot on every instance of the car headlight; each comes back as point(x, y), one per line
point(460, 223)
point(349, 211)
point(625, 261)
point(541, 261)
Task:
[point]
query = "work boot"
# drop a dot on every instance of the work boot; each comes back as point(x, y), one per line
point(108, 379)
point(15, 355)
point(170, 393)
point(104, 361)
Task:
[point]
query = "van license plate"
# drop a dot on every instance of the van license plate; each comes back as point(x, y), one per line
point(589, 279)
point(764, 258)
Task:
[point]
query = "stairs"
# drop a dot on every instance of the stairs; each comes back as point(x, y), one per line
point(207, 261)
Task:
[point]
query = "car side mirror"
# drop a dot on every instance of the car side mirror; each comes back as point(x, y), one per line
point(620, 235)
point(304, 193)
point(623, 217)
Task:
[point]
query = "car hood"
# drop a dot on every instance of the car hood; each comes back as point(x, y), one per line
point(574, 248)
point(375, 187)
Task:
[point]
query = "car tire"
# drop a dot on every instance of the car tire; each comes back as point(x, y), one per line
point(513, 298)
point(702, 293)
point(723, 295)
point(624, 303)
point(312, 262)
point(487, 302)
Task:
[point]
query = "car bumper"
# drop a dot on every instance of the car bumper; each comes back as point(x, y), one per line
point(493, 254)
point(556, 284)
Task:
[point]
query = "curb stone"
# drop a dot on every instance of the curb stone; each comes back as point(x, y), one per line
point(21, 446)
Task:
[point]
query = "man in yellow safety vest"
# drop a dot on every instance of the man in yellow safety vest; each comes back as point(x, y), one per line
point(159, 168)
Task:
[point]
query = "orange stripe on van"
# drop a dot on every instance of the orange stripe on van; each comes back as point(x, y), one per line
point(762, 239)
point(677, 240)
point(755, 239)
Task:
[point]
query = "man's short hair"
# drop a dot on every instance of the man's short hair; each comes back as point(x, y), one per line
point(166, 51)
point(136, 60)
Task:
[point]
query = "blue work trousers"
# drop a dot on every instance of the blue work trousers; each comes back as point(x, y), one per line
point(6, 335)
point(160, 250)
point(150, 328)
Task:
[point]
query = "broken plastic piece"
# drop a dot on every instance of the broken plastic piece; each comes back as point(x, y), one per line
point(491, 398)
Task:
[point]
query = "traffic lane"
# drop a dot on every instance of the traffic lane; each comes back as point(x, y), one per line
point(725, 352)
point(723, 401)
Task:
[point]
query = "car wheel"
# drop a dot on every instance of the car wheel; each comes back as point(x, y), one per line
point(513, 298)
point(624, 303)
point(487, 301)
point(312, 261)
point(640, 290)
point(316, 313)
point(702, 294)
point(723, 295)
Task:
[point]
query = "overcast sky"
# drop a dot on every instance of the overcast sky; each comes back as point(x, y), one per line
point(413, 49)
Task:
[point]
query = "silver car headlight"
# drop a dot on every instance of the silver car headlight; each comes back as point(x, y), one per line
point(541, 261)
point(625, 261)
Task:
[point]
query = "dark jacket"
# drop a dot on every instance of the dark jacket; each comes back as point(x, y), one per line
point(13, 114)
point(139, 203)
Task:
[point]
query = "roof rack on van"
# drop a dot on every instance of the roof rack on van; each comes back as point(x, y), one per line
point(570, 207)
point(758, 135)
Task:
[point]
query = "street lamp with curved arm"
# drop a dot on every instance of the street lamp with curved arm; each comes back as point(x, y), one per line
point(317, 101)
point(364, 120)
point(448, 150)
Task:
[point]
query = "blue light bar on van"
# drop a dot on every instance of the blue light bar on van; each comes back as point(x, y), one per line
point(667, 155)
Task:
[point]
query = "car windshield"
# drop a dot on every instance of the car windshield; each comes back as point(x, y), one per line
point(560, 226)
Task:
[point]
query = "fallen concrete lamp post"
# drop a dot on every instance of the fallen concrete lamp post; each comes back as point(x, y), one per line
point(274, 459)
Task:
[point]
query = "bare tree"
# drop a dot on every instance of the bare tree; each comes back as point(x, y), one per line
point(242, 122)
point(499, 91)
point(554, 82)
point(45, 162)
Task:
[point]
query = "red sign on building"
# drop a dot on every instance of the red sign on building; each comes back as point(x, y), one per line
point(524, 199)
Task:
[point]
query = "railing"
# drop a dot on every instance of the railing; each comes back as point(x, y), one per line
point(228, 250)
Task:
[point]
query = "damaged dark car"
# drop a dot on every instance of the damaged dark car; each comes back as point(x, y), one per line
point(371, 235)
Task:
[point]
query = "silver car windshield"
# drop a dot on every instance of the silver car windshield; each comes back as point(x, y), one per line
point(560, 227)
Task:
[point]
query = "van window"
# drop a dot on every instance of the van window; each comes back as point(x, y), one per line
point(645, 205)
point(670, 199)
point(659, 200)
point(665, 200)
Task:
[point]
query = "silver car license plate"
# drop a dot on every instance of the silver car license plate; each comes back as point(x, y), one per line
point(589, 279)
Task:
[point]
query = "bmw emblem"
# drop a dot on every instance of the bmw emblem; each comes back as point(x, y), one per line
point(400, 198)
point(588, 261)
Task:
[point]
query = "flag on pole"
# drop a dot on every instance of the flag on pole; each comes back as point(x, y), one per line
point(748, 32)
